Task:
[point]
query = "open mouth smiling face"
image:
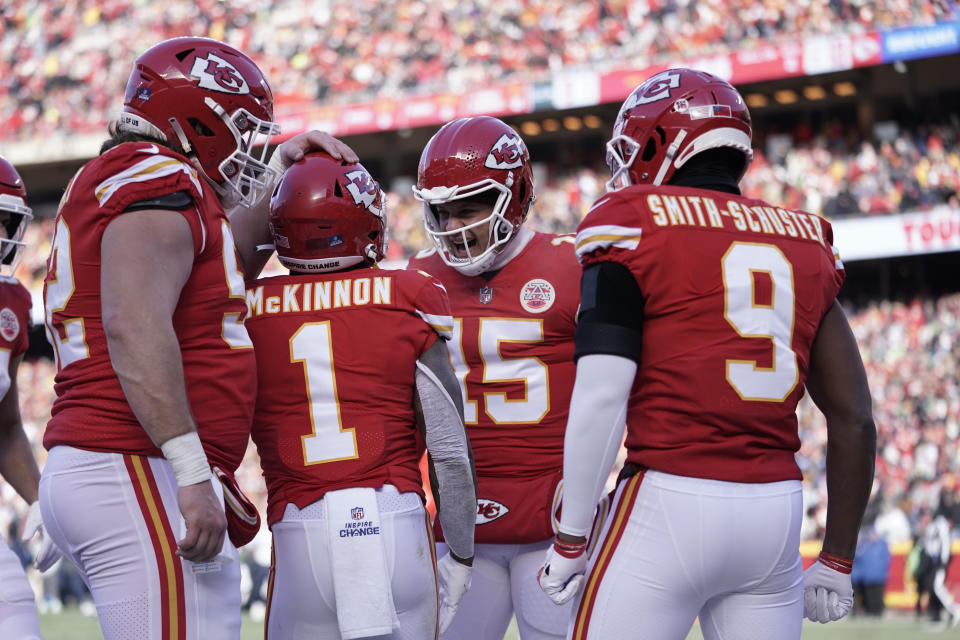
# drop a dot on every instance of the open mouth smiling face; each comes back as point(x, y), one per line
point(467, 223)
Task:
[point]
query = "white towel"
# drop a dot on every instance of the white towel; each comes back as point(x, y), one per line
point(361, 582)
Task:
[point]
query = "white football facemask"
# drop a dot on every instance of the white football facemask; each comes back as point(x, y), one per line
point(11, 248)
point(499, 228)
point(248, 176)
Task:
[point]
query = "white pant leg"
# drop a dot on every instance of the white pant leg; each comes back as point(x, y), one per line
point(504, 583)
point(677, 547)
point(485, 610)
point(942, 592)
point(302, 602)
point(538, 618)
point(18, 609)
point(116, 518)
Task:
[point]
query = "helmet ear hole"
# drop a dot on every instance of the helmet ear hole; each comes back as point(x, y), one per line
point(649, 150)
point(200, 128)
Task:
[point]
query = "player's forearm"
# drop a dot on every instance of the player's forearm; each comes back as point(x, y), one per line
point(250, 230)
point(145, 354)
point(851, 451)
point(17, 464)
point(594, 431)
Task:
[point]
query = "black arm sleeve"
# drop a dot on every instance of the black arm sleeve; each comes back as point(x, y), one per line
point(611, 312)
point(176, 201)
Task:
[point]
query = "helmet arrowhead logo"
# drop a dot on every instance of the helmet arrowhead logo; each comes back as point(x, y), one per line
point(506, 153)
point(364, 191)
point(658, 87)
point(216, 74)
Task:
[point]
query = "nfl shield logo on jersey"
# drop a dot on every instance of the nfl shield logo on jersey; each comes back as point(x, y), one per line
point(356, 513)
point(486, 295)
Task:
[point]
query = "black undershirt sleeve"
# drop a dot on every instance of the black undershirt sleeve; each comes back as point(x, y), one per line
point(176, 201)
point(611, 312)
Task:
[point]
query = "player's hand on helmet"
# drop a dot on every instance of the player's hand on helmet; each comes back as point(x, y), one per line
point(49, 553)
point(293, 149)
point(561, 576)
point(454, 581)
point(827, 589)
point(206, 522)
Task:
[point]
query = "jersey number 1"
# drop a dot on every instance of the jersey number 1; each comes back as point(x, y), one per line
point(328, 441)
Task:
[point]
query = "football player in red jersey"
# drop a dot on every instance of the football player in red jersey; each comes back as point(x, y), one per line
point(514, 299)
point(704, 314)
point(349, 356)
point(144, 298)
point(18, 613)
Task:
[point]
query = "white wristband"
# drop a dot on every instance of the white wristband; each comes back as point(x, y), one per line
point(189, 461)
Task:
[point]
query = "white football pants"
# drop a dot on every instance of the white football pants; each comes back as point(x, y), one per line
point(116, 518)
point(674, 548)
point(504, 584)
point(18, 610)
point(302, 603)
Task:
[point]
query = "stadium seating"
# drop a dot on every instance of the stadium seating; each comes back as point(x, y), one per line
point(51, 54)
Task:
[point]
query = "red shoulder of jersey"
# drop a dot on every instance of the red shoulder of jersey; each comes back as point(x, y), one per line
point(428, 261)
point(618, 222)
point(614, 222)
point(428, 298)
point(15, 305)
point(135, 171)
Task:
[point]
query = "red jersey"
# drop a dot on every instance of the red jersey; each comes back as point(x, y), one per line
point(512, 351)
point(336, 358)
point(91, 411)
point(15, 308)
point(734, 291)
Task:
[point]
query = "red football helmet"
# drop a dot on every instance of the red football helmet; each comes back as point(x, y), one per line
point(670, 118)
point(467, 157)
point(14, 214)
point(326, 215)
point(210, 102)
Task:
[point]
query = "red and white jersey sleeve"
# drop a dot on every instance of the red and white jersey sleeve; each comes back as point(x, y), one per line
point(734, 292)
point(15, 308)
point(91, 411)
point(336, 357)
point(512, 350)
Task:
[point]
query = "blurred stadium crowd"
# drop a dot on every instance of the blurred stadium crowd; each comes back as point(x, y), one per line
point(345, 50)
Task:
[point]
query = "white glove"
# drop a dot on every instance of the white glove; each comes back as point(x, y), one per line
point(49, 552)
point(827, 592)
point(561, 576)
point(454, 579)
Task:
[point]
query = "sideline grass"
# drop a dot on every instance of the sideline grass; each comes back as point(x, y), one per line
point(70, 624)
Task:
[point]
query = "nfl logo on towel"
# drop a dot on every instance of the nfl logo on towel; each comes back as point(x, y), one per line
point(356, 513)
